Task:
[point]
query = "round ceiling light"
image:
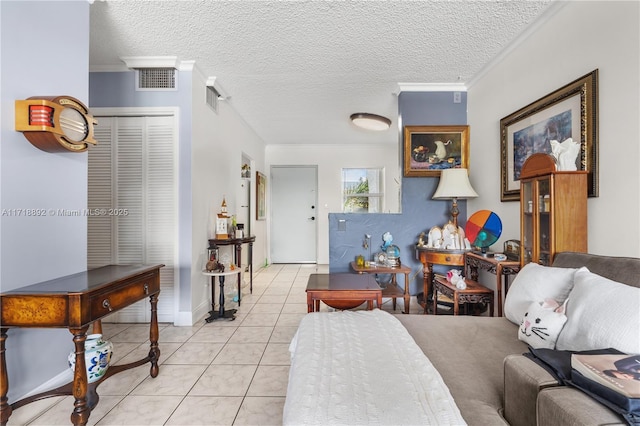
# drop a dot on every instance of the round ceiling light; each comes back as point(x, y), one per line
point(370, 121)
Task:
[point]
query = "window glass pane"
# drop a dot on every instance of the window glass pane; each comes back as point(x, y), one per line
point(362, 190)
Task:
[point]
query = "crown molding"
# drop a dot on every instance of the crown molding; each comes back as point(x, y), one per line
point(431, 87)
point(136, 62)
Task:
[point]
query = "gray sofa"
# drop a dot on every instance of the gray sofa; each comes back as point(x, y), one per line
point(480, 359)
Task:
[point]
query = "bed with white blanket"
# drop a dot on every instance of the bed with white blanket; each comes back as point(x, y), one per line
point(363, 367)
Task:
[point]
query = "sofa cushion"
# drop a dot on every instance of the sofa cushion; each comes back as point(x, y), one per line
point(541, 325)
point(535, 283)
point(601, 314)
point(565, 406)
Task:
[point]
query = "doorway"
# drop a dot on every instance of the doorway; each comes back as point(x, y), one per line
point(294, 214)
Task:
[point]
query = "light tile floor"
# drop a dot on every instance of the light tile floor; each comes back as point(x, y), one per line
point(219, 373)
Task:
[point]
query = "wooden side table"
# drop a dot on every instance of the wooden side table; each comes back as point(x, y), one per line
point(221, 312)
point(474, 293)
point(342, 291)
point(500, 268)
point(429, 257)
point(237, 254)
point(392, 290)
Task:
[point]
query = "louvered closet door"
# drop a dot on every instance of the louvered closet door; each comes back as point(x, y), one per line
point(132, 170)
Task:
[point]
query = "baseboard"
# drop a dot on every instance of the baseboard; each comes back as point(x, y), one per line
point(60, 380)
point(189, 318)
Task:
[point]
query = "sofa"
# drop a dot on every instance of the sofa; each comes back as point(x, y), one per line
point(481, 359)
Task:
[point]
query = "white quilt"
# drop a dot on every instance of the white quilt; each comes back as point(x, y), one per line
point(363, 367)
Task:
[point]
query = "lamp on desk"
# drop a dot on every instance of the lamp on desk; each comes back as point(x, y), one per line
point(454, 184)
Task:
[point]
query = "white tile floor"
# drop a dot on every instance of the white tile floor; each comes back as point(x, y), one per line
point(220, 373)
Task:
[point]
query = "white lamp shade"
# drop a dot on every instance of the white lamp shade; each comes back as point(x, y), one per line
point(454, 183)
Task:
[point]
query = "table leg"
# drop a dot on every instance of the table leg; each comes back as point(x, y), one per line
point(379, 301)
point(5, 408)
point(427, 274)
point(456, 303)
point(250, 259)
point(435, 301)
point(154, 334)
point(317, 305)
point(491, 307)
point(239, 286)
point(309, 303)
point(369, 304)
point(407, 296)
point(499, 288)
point(212, 312)
point(81, 410)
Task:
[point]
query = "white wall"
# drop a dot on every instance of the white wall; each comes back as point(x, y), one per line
point(580, 37)
point(330, 159)
point(39, 248)
point(218, 142)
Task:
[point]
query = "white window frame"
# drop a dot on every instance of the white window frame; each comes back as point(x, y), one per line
point(378, 195)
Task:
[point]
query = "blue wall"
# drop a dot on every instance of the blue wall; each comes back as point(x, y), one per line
point(419, 211)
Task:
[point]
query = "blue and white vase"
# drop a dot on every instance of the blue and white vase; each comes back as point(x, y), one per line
point(97, 355)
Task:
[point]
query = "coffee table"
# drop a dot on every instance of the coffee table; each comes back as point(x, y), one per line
point(342, 291)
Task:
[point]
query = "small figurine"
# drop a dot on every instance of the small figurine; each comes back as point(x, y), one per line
point(388, 239)
point(214, 265)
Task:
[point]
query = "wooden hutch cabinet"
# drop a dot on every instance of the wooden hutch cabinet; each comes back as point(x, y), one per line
point(553, 210)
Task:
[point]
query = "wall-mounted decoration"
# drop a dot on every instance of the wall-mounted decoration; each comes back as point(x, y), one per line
point(429, 149)
point(261, 196)
point(55, 123)
point(555, 124)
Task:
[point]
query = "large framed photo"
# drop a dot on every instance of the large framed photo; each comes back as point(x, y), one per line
point(564, 124)
point(429, 149)
point(261, 196)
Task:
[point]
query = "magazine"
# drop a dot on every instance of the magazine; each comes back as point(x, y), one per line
point(620, 373)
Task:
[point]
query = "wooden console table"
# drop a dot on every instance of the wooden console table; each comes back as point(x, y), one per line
point(392, 290)
point(429, 257)
point(237, 255)
point(501, 268)
point(75, 302)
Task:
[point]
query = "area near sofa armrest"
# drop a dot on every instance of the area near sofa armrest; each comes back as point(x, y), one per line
point(624, 270)
point(565, 406)
point(523, 380)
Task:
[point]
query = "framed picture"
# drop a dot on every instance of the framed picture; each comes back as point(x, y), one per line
point(554, 124)
point(261, 196)
point(429, 149)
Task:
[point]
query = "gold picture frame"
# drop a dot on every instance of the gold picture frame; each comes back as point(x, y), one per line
point(569, 112)
point(430, 149)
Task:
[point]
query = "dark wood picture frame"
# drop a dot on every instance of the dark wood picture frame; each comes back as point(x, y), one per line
point(429, 149)
point(569, 112)
point(261, 196)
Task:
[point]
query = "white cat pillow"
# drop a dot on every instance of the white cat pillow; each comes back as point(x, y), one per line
point(542, 323)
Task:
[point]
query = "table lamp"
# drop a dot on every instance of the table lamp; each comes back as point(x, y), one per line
point(454, 184)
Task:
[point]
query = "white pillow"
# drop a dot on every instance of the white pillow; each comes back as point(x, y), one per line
point(601, 314)
point(533, 283)
point(541, 325)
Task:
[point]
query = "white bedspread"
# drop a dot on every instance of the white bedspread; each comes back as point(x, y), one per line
point(363, 367)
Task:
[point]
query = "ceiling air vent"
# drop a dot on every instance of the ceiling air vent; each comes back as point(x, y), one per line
point(156, 78)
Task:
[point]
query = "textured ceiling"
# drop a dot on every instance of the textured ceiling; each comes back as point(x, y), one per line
point(296, 70)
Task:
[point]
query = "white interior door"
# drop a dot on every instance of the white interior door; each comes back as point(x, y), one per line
point(294, 214)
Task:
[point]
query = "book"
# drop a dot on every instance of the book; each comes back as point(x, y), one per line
point(620, 373)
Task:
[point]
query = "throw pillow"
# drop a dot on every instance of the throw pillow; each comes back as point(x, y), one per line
point(533, 283)
point(541, 324)
point(601, 314)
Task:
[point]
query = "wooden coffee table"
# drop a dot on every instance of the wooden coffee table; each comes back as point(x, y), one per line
point(342, 291)
point(474, 293)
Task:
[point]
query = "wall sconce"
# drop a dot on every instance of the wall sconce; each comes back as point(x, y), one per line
point(55, 123)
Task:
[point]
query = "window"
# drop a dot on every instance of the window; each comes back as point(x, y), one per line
point(362, 190)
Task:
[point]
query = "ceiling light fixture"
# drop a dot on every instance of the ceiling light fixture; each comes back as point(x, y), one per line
point(370, 121)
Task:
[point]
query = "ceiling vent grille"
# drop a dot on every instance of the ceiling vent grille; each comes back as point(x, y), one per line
point(212, 98)
point(156, 78)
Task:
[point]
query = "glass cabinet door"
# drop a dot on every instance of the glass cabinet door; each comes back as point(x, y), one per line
point(544, 221)
point(528, 208)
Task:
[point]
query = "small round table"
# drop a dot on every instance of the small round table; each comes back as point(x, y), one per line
point(221, 312)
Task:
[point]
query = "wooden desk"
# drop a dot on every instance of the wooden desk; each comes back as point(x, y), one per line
point(429, 257)
point(342, 291)
point(474, 293)
point(237, 255)
point(75, 302)
point(392, 290)
point(501, 268)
